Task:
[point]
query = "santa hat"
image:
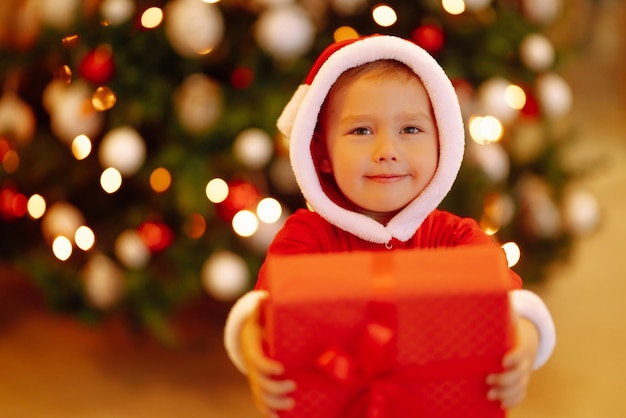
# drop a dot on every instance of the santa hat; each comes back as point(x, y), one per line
point(299, 118)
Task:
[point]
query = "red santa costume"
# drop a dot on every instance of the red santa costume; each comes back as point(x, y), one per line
point(334, 226)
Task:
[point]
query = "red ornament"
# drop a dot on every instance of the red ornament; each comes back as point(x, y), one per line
point(12, 204)
point(156, 235)
point(531, 107)
point(430, 37)
point(98, 66)
point(242, 77)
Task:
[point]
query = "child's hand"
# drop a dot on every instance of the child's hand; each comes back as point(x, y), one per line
point(269, 393)
point(509, 387)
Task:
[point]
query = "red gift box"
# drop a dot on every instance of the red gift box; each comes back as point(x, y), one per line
point(395, 334)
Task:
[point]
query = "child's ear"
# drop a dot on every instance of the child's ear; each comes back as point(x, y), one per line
point(320, 154)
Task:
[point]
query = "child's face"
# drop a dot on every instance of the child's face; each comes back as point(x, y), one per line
point(382, 142)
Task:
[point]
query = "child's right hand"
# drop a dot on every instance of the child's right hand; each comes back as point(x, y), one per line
point(268, 390)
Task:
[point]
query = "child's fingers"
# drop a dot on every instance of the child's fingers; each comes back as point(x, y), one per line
point(275, 387)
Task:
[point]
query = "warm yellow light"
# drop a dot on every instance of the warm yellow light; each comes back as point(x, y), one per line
point(344, 33)
point(84, 238)
point(160, 180)
point(513, 253)
point(384, 15)
point(217, 190)
point(81, 147)
point(152, 17)
point(211, 1)
point(36, 206)
point(245, 223)
point(269, 210)
point(515, 97)
point(103, 98)
point(111, 180)
point(62, 248)
point(485, 129)
point(454, 7)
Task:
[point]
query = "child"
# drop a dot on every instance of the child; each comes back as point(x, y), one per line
point(376, 141)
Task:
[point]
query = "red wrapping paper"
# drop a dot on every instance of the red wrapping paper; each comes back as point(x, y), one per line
point(396, 334)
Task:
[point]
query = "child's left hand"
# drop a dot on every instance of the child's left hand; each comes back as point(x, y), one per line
point(509, 387)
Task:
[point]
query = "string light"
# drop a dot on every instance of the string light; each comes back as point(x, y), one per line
point(152, 17)
point(245, 223)
point(195, 226)
point(36, 206)
point(217, 190)
point(81, 147)
point(515, 97)
point(454, 7)
point(103, 99)
point(344, 33)
point(269, 210)
point(84, 238)
point(384, 15)
point(485, 129)
point(111, 180)
point(160, 180)
point(62, 248)
point(513, 253)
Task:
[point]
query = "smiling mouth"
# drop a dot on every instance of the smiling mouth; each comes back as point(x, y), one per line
point(386, 178)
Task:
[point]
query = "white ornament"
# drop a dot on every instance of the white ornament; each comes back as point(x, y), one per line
point(542, 11)
point(17, 119)
point(285, 32)
point(581, 211)
point(537, 52)
point(253, 147)
point(554, 95)
point(225, 275)
point(492, 99)
point(540, 213)
point(103, 282)
point(198, 103)
point(71, 111)
point(123, 149)
point(61, 219)
point(130, 250)
point(117, 12)
point(58, 14)
point(193, 27)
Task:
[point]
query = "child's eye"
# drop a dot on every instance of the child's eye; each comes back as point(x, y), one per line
point(411, 130)
point(361, 131)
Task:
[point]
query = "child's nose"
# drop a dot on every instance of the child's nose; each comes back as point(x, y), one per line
point(386, 149)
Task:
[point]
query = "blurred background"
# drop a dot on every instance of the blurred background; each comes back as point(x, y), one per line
point(142, 177)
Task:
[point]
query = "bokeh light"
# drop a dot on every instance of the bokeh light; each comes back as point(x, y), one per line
point(217, 190)
point(485, 129)
point(344, 33)
point(103, 98)
point(245, 223)
point(384, 15)
point(454, 7)
point(269, 210)
point(195, 226)
point(152, 17)
point(36, 206)
point(84, 238)
point(160, 180)
point(81, 147)
point(111, 180)
point(62, 248)
point(513, 253)
point(515, 97)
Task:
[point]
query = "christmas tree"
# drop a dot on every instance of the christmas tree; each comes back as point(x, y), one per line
point(140, 166)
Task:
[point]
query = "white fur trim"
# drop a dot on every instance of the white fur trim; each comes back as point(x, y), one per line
point(530, 306)
point(449, 122)
point(285, 120)
point(240, 311)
